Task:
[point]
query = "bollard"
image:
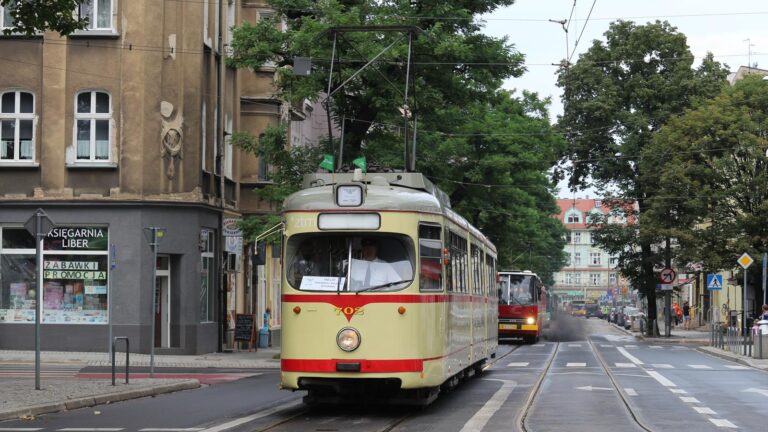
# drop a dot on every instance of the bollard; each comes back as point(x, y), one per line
point(127, 356)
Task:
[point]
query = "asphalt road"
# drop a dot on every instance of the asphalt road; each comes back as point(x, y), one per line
point(585, 376)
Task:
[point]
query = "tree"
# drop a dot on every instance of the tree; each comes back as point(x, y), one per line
point(28, 17)
point(617, 97)
point(454, 63)
point(715, 179)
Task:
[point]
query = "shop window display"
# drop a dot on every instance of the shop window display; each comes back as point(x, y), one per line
point(75, 263)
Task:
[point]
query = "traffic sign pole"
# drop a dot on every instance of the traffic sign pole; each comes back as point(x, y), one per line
point(745, 261)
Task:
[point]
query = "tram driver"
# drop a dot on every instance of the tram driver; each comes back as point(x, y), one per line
point(370, 270)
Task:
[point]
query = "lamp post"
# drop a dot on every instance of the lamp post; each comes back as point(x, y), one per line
point(153, 235)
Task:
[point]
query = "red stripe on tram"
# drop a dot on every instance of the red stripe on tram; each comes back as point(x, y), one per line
point(366, 366)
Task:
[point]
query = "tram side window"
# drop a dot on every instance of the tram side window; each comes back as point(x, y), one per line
point(476, 287)
point(458, 247)
point(430, 267)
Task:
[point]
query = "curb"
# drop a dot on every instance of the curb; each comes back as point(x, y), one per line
point(731, 357)
point(89, 401)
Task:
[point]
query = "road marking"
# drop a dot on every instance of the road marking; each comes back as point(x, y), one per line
point(678, 391)
point(630, 346)
point(20, 429)
point(723, 423)
point(90, 429)
point(657, 347)
point(737, 367)
point(630, 391)
point(539, 345)
point(170, 429)
point(689, 399)
point(481, 417)
point(590, 388)
point(757, 390)
point(631, 358)
point(575, 345)
point(518, 364)
point(575, 365)
point(252, 417)
point(662, 366)
point(699, 367)
point(625, 365)
point(606, 346)
point(661, 379)
point(704, 410)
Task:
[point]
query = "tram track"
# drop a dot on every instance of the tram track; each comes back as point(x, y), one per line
point(523, 415)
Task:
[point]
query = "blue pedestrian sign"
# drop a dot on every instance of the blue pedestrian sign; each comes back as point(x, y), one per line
point(714, 282)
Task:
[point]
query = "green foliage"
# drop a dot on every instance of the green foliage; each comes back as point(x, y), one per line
point(714, 181)
point(617, 97)
point(32, 16)
point(455, 63)
point(290, 164)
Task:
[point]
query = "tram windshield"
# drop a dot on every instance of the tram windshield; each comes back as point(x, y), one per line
point(516, 289)
point(346, 262)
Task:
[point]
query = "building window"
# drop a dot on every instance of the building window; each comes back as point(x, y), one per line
point(17, 117)
point(573, 217)
point(591, 239)
point(75, 272)
point(614, 260)
point(98, 13)
point(594, 278)
point(7, 19)
point(569, 278)
point(612, 279)
point(93, 118)
point(576, 237)
point(598, 204)
point(577, 279)
point(577, 258)
point(207, 276)
point(594, 258)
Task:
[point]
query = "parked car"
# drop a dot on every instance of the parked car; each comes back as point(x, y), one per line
point(632, 317)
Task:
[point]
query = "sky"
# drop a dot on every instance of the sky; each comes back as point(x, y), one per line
point(710, 26)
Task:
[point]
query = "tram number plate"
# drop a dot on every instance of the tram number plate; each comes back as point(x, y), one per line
point(508, 327)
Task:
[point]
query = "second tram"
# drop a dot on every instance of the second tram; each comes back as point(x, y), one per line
point(386, 291)
point(522, 306)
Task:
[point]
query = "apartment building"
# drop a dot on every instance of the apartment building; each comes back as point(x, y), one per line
point(115, 129)
point(590, 273)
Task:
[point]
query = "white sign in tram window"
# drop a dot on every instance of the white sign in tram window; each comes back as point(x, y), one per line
point(344, 221)
point(320, 283)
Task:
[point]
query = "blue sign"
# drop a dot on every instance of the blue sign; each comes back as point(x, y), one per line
point(714, 282)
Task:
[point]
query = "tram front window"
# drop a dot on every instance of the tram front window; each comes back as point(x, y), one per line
point(341, 262)
point(515, 289)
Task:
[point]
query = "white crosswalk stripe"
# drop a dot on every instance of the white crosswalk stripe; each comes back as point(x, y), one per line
point(518, 364)
point(656, 347)
point(689, 399)
point(575, 365)
point(704, 410)
point(662, 366)
point(574, 345)
point(678, 391)
point(630, 391)
point(625, 365)
point(699, 367)
point(723, 423)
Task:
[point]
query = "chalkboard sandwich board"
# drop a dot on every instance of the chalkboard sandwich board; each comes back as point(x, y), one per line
point(244, 328)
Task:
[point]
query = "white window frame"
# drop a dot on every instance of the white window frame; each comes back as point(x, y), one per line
point(576, 237)
point(93, 19)
point(3, 10)
point(93, 117)
point(594, 258)
point(577, 258)
point(573, 217)
point(577, 278)
point(612, 279)
point(18, 116)
point(568, 279)
point(594, 278)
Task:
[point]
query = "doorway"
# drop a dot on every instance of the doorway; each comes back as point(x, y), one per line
point(163, 302)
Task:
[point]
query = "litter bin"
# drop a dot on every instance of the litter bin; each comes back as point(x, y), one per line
point(264, 337)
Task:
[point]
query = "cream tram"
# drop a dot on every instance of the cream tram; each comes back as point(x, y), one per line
point(387, 292)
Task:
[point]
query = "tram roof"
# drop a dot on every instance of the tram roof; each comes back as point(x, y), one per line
point(402, 191)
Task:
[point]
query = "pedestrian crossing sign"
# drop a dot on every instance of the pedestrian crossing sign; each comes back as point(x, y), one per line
point(714, 282)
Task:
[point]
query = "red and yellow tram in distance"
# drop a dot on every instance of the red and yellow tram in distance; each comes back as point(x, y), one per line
point(522, 306)
point(387, 292)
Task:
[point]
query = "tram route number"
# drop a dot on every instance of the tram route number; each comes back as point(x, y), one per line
point(302, 221)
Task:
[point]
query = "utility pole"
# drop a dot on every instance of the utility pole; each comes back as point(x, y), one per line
point(153, 235)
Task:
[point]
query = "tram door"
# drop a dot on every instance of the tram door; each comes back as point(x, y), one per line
point(163, 302)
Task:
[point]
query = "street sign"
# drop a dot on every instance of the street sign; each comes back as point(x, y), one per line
point(667, 276)
point(714, 282)
point(745, 260)
point(666, 287)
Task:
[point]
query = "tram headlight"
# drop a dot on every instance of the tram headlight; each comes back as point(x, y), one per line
point(531, 320)
point(348, 339)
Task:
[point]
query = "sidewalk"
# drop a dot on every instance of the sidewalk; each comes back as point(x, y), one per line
point(746, 361)
point(19, 399)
